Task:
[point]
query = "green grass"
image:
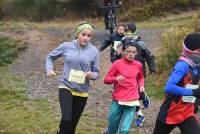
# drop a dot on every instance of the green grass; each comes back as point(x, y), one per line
point(155, 86)
point(14, 26)
point(20, 115)
point(156, 23)
point(98, 23)
point(88, 124)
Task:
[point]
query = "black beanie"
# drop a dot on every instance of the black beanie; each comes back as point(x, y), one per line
point(126, 42)
point(192, 41)
point(130, 27)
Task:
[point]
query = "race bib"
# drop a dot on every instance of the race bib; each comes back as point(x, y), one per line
point(116, 44)
point(129, 103)
point(190, 99)
point(77, 76)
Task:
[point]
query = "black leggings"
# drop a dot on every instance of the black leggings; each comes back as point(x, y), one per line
point(71, 110)
point(189, 126)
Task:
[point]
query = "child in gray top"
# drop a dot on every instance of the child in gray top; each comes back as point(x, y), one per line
point(81, 64)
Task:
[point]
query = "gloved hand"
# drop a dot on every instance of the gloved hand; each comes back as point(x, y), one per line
point(152, 72)
point(145, 99)
point(142, 95)
point(196, 92)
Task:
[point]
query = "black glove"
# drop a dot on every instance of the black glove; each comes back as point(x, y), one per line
point(142, 95)
point(152, 72)
point(196, 92)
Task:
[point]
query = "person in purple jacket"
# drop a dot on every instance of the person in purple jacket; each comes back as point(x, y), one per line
point(81, 64)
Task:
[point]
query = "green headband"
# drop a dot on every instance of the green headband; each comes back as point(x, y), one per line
point(83, 27)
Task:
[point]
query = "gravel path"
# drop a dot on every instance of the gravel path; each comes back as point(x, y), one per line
point(30, 65)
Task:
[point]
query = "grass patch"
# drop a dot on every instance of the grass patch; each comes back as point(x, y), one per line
point(10, 49)
point(156, 23)
point(155, 86)
point(19, 115)
point(87, 125)
point(14, 26)
point(66, 24)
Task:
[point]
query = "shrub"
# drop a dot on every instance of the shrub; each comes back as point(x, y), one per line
point(36, 10)
point(1, 7)
point(9, 50)
point(173, 41)
point(141, 10)
point(196, 22)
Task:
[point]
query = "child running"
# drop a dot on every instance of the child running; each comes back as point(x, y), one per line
point(143, 55)
point(127, 76)
point(182, 92)
point(81, 65)
point(114, 39)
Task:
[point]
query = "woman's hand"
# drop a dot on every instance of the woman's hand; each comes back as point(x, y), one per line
point(51, 74)
point(89, 75)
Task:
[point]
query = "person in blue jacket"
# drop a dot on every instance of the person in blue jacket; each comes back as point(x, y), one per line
point(182, 92)
point(81, 64)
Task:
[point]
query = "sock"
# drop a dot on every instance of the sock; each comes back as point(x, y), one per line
point(139, 112)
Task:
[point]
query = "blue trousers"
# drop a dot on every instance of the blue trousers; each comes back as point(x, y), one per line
point(118, 113)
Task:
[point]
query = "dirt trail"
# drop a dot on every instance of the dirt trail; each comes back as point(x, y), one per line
point(30, 65)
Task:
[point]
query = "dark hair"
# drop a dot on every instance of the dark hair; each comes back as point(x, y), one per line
point(119, 25)
point(130, 27)
point(192, 41)
point(128, 41)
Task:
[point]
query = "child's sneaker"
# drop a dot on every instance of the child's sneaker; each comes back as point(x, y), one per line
point(139, 121)
point(146, 101)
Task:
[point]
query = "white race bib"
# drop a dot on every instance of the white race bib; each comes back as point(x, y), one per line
point(190, 99)
point(116, 44)
point(77, 76)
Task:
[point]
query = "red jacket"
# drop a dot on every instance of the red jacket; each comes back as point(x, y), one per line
point(126, 89)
